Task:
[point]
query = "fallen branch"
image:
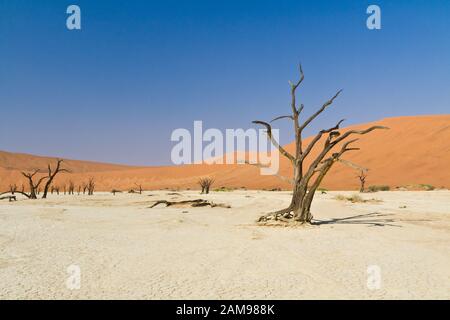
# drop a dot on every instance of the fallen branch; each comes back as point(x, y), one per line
point(190, 203)
point(10, 198)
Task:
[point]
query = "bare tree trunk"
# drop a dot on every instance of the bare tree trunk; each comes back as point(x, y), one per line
point(52, 175)
point(91, 186)
point(139, 187)
point(362, 180)
point(32, 185)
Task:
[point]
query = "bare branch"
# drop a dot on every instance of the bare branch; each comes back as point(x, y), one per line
point(294, 86)
point(353, 165)
point(335, 156)
point(317, 138)
point(274, 141)
point(360, 132)
point(282, 117)
point(259, 165)
point(322, 109)
point(296, 112)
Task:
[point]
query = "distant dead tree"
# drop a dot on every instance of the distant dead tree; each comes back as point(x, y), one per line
point(85, 186)
point(205, 183)
point(12, 188)
point(57, 190)
point(362, 175)
point(71, 187)
point(139, 186)
point(32, 184)
point(114, 191)
point(306, 180)
point(64, 188)
point(362, 180)
point(52, 189)
point(91, 186)
point(51, 175)
point(79, 190)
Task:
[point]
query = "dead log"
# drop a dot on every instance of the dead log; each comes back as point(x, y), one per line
point(190, 203)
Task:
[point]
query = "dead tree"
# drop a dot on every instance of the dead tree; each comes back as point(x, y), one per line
point(91, 186)
point(362, 172)
point(12, 188)
point(306, 180)
point(205, 183)
point(71, 188)
point(57, 190)
point(79, 190)
point(362, 180)
point(139, 187)
point(51, 175)
point(32, 184)
point(85, 186)
point(64, 189)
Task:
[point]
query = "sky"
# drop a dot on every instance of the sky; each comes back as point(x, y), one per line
point(137, 70)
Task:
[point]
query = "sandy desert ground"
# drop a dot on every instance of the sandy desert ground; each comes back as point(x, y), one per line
point(125, 249)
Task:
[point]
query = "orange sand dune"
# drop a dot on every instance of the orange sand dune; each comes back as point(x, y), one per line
point(416, 150)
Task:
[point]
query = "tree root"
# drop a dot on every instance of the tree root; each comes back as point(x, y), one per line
point(285, 215)
point(190, 203)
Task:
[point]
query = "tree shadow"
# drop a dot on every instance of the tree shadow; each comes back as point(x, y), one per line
point(369, 219)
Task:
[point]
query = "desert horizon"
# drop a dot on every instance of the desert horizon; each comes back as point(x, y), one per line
point(400, 158)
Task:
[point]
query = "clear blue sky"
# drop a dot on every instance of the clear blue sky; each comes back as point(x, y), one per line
point(116, 89)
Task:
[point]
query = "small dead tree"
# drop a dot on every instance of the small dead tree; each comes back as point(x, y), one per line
point(362, 180)
point(12, 188)
point(205, 183)
point(114, 191)
point(64, 189)
point(362, 172)
point(71, 188)
point(51, 175)
point(32, 184)
point(79, 190)
point(57, 190)
point(91, 186)
point(306, 180)
point(139, 186)
point(85, 186)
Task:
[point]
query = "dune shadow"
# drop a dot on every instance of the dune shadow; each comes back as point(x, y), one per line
point(374, 219)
